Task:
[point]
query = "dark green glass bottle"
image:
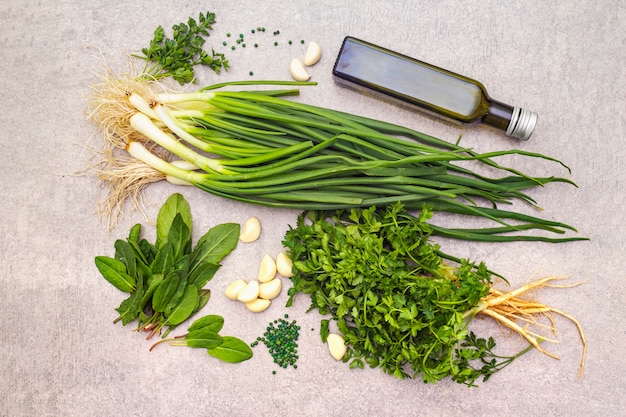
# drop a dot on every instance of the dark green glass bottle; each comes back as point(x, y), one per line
point(409, 82)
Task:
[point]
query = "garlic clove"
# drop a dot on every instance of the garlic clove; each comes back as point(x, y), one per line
point(297, 70)
point(250, 292)
point(258, 305)
point(233, 290)
point(251, 230)
point(284, 265)
point(336, 346)
point(271, 289)
point(313, 54)
point(267, 269)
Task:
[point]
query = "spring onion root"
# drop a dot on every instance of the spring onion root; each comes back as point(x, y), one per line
point(260, 147)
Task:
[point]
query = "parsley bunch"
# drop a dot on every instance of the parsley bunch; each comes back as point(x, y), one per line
point(397, 304)
point(176, 56)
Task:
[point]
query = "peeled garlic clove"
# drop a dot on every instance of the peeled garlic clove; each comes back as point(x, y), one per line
point(233, 290)
point(258, 305)
point(251, 230)
point(271, 289)
point(313, 54)
point(267, 269)
point(250, 292)
point(284, 265)
point(336, 346)
point(297, 70)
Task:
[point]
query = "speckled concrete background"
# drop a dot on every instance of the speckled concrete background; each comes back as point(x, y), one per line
point(60, 354)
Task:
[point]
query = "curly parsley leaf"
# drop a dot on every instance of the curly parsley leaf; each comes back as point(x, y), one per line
point(398, 306)
point(177, 56)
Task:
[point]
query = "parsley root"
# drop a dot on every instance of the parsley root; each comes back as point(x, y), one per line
point(398, 305)
point(508, 308)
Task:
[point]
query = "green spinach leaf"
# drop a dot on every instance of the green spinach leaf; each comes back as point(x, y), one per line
point(185, 306)
point(210, 322)
point(125, 253)
point(166, 280)
point(165, 291)
point(218, 242)
point(179, 237)
point(232, 350)
point(203, 338)
point(135, 233)
point(202, 274)
point(174, 205)
point(114, 271)
point(164, 260)
point(130, 308)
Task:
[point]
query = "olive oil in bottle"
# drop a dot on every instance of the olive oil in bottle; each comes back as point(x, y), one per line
point(436, 91)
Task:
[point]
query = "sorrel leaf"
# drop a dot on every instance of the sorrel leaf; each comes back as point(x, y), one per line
point(114, 271)
point(232, 350)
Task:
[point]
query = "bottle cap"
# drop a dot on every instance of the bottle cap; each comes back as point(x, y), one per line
point(522, 123)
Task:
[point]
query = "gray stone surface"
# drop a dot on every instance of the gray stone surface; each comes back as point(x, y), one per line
point(60, 354)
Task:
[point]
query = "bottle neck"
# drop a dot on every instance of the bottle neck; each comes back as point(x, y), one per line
point(515, 121)
point(498, 115)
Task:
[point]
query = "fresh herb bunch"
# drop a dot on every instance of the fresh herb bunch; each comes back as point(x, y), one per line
point(177, 56)
point(397, 304)
point(166, 279)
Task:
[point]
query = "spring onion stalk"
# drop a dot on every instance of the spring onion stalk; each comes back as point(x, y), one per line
point(259, 147)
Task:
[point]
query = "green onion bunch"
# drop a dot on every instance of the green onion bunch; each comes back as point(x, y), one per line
point(261, 147)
